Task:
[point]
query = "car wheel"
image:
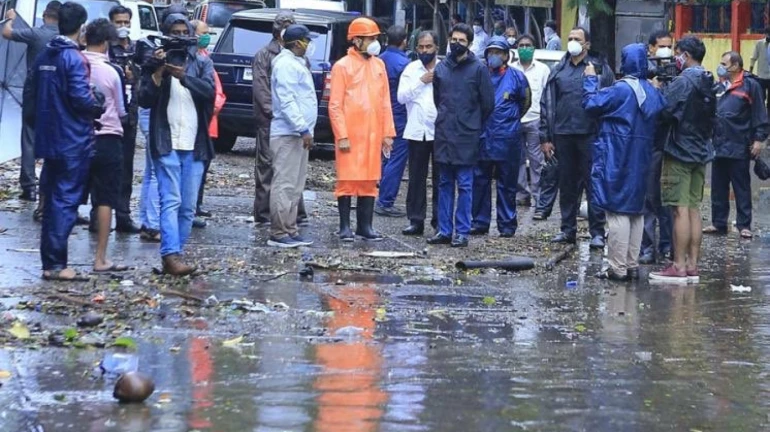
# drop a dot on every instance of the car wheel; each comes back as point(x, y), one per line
point(225, 143)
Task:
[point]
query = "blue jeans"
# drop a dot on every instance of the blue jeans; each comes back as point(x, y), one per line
point(462, 177)
point(149, 203)
point(505, 174)
point(393, 172)
point(179, 177)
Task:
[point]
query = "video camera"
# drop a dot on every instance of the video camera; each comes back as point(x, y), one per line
point(176, 49)
point(662, 68)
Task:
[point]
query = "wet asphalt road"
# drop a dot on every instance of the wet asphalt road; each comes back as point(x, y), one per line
point(413, 347)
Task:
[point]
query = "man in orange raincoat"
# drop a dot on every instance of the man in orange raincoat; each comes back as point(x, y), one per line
point(362, 120)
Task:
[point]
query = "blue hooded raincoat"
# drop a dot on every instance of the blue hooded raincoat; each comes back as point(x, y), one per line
point(627, 113)
point(502, 134)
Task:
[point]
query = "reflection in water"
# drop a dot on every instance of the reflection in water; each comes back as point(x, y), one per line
point(350, 397)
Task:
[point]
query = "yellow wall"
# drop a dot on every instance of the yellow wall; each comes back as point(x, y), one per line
point(715, 47)
point(747, 49)
point(568, 22)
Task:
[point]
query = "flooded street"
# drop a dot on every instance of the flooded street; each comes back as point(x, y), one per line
point(382, 344)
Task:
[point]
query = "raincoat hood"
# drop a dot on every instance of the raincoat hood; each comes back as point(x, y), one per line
point(60, 43)
point(633, 61)
point(173, 18)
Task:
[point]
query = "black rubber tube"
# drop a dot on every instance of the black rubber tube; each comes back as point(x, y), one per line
point(510, 264)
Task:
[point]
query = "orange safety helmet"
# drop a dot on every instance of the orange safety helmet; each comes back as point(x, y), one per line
point(363, 27)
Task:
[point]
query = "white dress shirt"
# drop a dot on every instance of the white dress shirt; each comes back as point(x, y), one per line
point(182, 117)
point(418, 98)
point(537, 75)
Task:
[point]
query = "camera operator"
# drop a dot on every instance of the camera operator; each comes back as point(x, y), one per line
point(175, 80)
point(660, 47)
point(63, 116)
point(740, 130)
point(690, 112)
point(120, 53)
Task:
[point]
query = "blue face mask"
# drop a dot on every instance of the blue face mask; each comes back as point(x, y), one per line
point(495, 61)
point(722, 71)
point(426, 58)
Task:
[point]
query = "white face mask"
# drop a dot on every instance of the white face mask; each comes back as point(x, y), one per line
point(310, 50)
point(511, 41)
point(548, 32)
point(664, 53)
point(477, 29)
point(574, 48)
point(123, 32)
point(374, 48)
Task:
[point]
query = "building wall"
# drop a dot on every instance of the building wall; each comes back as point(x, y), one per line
point(716, 45)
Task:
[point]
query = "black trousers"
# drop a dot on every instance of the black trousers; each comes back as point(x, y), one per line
point(654, 211)
point(575, 152)
point(27, 177)
point(123, 209)
point(549, 188)
point(420, 159)
point(726, 172)
point(202, 187)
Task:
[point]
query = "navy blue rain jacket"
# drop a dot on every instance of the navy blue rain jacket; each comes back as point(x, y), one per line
point(64, 105)
point(741, 119)
point(502, 135)
point(395, 62)
point(464, 100)
point(623, 147)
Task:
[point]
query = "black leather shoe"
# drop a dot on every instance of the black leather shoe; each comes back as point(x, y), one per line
point(460, 242)
point(539, 216)
point(28, 195)
point(127, 227)
point(37, 215)
point(647, 258)
point(633, 273)
point(476, 231)
point(597, 243)
point(506, 234)
point(440, 239)
point(414, 229)
point(563, 238)
point(203, 213)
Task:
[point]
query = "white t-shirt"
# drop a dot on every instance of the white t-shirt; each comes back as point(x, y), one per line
point(182, 117)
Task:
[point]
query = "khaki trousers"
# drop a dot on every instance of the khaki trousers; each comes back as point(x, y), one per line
point(625, 241)
point(289, 175)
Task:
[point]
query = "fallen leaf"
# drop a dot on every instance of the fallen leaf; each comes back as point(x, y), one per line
point(19, 331)
point(164, 398)
point(60, 397)
point(233, 342)
point(580, 328)
point(99, 298)
point(70, 334)
point(489, 301)
point(380, 316)
point(125, 342)
point(4, 374)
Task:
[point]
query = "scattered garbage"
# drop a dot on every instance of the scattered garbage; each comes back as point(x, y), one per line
point(19, 331)
point(133, 387)
point(389, 254)
point(348, 332)
point(90, 319)
point(119, 363)
point(232, 342)
point(572, 283)
point(510, 264)
point(212, 301)
point(740, 288)
point(250, 306)
point(558, 257)
point(127, 283)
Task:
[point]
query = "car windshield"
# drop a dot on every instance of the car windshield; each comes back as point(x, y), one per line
point(220, 12)
point(95, 8)
point(248, 37)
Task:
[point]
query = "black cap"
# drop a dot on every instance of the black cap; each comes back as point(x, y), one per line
point(297, 32)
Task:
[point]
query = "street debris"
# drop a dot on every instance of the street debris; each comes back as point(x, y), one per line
point(740, 288)
point(133, 387)
point(511, 264)
point(390, 254)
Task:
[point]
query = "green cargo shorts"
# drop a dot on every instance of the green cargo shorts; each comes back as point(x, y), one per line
point(681, 183)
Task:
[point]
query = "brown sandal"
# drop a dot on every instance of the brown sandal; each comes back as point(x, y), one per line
point(746, 234)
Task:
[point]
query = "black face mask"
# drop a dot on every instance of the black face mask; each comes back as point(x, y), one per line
point(426, 58)
point(458, 49)
point(767, 38)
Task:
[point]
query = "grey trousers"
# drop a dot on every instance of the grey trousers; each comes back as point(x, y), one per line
point(289, 175)
point(530, 133)
point(263, 177)
point(624, 241)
